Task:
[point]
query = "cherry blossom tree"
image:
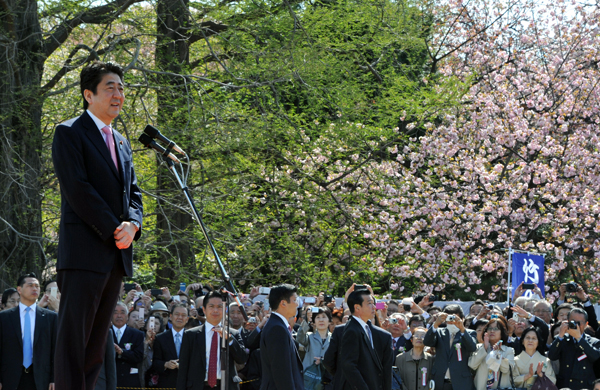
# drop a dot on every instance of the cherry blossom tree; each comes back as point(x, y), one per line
point(514, 165)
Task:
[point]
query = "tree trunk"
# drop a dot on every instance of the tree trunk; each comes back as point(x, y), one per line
point(172, 55)
point(21, 67)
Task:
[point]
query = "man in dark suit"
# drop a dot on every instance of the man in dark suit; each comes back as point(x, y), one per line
point(366, 350)
point(167, 347)
point(129, 348)
point(453, 344)
point(101, 214)
point(576, 351)
point(27, 340)
point(195, 372)
point(280, 361)
point(333, 358)
point(236, 321)
point(400, 333)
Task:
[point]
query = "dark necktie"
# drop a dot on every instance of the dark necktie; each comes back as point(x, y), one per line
point(212, 364)
point(368, 328)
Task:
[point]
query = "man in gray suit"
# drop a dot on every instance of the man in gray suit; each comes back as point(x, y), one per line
point(453, 344)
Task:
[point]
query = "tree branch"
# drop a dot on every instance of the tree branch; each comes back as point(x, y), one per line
point(98, 15)
point(94, 55)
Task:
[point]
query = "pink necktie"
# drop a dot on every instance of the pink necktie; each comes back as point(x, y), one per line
point(110, 144)
point(212, 363)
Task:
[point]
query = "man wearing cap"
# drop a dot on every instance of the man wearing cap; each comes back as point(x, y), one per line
point(160, 309)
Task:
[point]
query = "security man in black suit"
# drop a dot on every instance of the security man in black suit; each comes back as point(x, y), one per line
point(129, 348)
point(576, 351)
point(453, 344)
point(366, 350)
point(195, 372)
point(280, 362)
point(332, 359)
point(167, 347)
point(27, 341)
point(101, 215)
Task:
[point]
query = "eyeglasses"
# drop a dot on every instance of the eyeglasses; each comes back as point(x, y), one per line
point(493, 329)
point(418, 337)
point(541, 311)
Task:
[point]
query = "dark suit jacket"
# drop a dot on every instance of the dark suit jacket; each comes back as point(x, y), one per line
point(280, 361)
point(164, 350)
point(192, 359)
point(107, 380)
point(575, 374)
point(332, 360)
point(11, 348)
point(95, 197)
point(447, 357)
point(366, 367)
point(251, 338)
point(131, 357)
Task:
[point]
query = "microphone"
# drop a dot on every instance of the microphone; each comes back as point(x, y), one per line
point(149, 143)
point(154, 133)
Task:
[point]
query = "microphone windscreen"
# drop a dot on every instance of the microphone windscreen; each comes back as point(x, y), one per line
point(145, 139)
point(151, 131)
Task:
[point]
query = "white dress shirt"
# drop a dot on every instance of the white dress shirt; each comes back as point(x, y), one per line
point(100, 125)
point(22, 308)
point(122, 332)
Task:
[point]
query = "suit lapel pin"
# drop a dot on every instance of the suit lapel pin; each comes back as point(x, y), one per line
point(120, 144)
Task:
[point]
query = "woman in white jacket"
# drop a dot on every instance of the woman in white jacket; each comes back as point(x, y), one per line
point(531, 364)
point(493, 361)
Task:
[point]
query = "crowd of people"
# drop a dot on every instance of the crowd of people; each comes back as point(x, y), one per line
point(164, 339)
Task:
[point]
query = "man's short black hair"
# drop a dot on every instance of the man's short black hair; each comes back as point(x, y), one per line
point(187, 309)
point(281, 292)
point(357, 298)
point(579, 311)
point(416, 318)
point(454, 309)
point(21, 280)
point(207, 297)
point(432, 308)
point(7, 293)
point(92, 74)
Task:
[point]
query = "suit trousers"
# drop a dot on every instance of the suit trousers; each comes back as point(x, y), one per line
point(27, 381)
point(87, 303)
